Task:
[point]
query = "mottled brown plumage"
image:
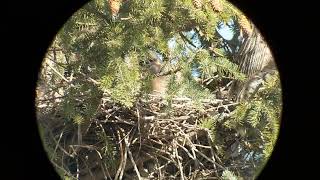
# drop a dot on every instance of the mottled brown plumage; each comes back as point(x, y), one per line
point(158, 83)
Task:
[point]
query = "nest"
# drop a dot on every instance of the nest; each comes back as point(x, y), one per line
point(153, 140)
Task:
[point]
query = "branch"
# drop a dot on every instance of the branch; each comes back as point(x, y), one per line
point(186, 39)
point(63, 169)
point(57, 72)
point(131, 157)
point(210, 160)
point(99, 14)
point(170, 72)
point(55, 141)
point(178, 159)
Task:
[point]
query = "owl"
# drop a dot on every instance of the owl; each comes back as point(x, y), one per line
point(158, 83)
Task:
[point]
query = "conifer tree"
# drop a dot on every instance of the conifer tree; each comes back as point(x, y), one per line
point(95, 104)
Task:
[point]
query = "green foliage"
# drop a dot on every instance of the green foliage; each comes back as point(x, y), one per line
point(259, 119)
point(219, 65)
point(78, 119)
point(69, 108)
point(228, 175)
point(207, 123)
point(67, 178)
point(108, 150)
point(210, 124)
point(229, 68)
point(122, 80)
point(114, 50)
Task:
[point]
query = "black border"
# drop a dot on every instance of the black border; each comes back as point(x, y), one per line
point(29, 29)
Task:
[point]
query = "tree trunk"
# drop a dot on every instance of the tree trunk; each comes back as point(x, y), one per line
point(253, 57)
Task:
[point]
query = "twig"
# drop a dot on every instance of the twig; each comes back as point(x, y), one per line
point(90, 147)
point(49, 57)
point(57, 72)
point(179, 163)
point(210, 160)
point(88, 168)
point(78, 168)
point(199, 145)
point(209, 139)
point(123, 161)
point(131, 157)
point(139, 131)
point(186, 39)
point(229, 83)
point(79, 134)
point(61, 148)
point(123, 166)
point(186, 150)
point(120, 121)
point(59, 97)
point(58, 142)
point(62, 169)
point(102, 165)
point(158, 150)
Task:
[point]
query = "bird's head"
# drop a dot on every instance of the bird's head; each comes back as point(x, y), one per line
point(155, 66)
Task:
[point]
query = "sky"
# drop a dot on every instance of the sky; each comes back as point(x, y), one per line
point(225, 32)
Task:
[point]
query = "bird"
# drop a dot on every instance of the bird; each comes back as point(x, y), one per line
point(158, 83)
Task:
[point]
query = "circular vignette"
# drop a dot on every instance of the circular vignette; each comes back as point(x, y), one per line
point(80, 113)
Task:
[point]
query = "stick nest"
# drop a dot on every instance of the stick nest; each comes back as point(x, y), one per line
point(156, 139)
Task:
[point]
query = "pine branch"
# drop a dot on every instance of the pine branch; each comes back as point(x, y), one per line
point(170, 72)
point(57, 72)
point(186, 39)
point(102, 16)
